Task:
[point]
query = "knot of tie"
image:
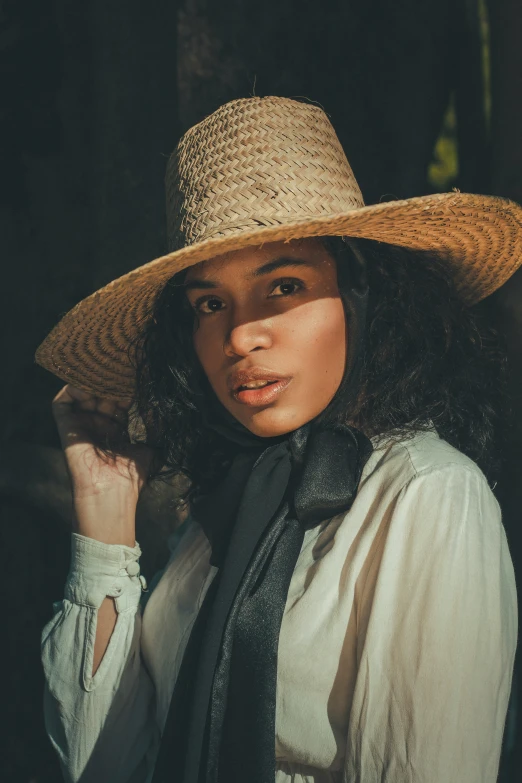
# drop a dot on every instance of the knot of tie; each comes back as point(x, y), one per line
point(327, 463)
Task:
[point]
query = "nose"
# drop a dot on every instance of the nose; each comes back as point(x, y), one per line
point(246, 335)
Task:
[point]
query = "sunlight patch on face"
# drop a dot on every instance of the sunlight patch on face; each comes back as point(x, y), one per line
point(274, 308)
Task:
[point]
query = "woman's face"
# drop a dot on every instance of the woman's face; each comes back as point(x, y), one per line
point(270, 313)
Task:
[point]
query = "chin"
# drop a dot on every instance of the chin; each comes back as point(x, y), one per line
point(271, 422)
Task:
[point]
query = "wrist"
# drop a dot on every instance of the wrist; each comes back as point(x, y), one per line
point(109, 518)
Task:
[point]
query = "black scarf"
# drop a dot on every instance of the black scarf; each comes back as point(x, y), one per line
point(221, 722)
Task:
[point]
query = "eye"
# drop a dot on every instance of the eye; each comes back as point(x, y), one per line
point(209, 303)
point(287, 283)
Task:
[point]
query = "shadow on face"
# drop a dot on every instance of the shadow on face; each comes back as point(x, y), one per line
point(272, 311)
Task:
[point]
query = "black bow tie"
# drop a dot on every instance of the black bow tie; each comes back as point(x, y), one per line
point(222, 716)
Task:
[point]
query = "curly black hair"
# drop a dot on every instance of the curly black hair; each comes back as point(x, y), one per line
point(428, 361)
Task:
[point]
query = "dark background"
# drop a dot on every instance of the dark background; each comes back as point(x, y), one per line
point(426, 95)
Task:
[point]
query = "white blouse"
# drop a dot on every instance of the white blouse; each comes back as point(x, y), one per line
point(396, 648)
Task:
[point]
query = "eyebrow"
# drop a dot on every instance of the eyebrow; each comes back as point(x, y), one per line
point(265, 269)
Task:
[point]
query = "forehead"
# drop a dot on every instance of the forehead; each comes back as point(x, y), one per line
point(302, 252)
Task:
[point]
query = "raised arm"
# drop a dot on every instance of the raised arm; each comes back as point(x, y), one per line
point(99, 699)
point(103, 726)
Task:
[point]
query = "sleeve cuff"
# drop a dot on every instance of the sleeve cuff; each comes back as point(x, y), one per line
point(98, 570)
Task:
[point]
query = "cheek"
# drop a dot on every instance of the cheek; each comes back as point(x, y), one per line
point(320, 338)
point(205, 343)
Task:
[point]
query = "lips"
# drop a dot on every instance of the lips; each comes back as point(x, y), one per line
point(243, 377)
point(263, 396)
point(260, 396)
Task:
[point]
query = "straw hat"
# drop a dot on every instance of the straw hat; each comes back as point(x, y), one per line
point(260, 170)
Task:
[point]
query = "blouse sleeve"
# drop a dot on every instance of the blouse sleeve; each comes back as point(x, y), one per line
point(436, 664)
point(103, 727)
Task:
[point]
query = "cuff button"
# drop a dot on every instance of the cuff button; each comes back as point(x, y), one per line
point(133, 568)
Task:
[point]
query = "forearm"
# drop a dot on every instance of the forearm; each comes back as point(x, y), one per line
point(98, 695)
point(108, 516)
point(118, 514)
point(106, 622)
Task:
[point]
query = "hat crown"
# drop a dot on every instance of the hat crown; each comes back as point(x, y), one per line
point(256, 162)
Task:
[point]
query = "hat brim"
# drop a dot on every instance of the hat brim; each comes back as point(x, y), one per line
point(480, 235)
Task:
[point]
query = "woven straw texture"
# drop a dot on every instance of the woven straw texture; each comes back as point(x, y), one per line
point(261, 170)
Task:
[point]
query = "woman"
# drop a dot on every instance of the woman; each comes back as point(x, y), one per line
point(341, 603)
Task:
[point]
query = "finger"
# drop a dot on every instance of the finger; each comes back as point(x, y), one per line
point(103, 414)
point(66, 395)
point(111, 408)
point(70, 394)
point(125, 404)
point(69, 400)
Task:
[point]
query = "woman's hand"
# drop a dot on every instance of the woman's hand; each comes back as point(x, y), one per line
point(105, 487)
